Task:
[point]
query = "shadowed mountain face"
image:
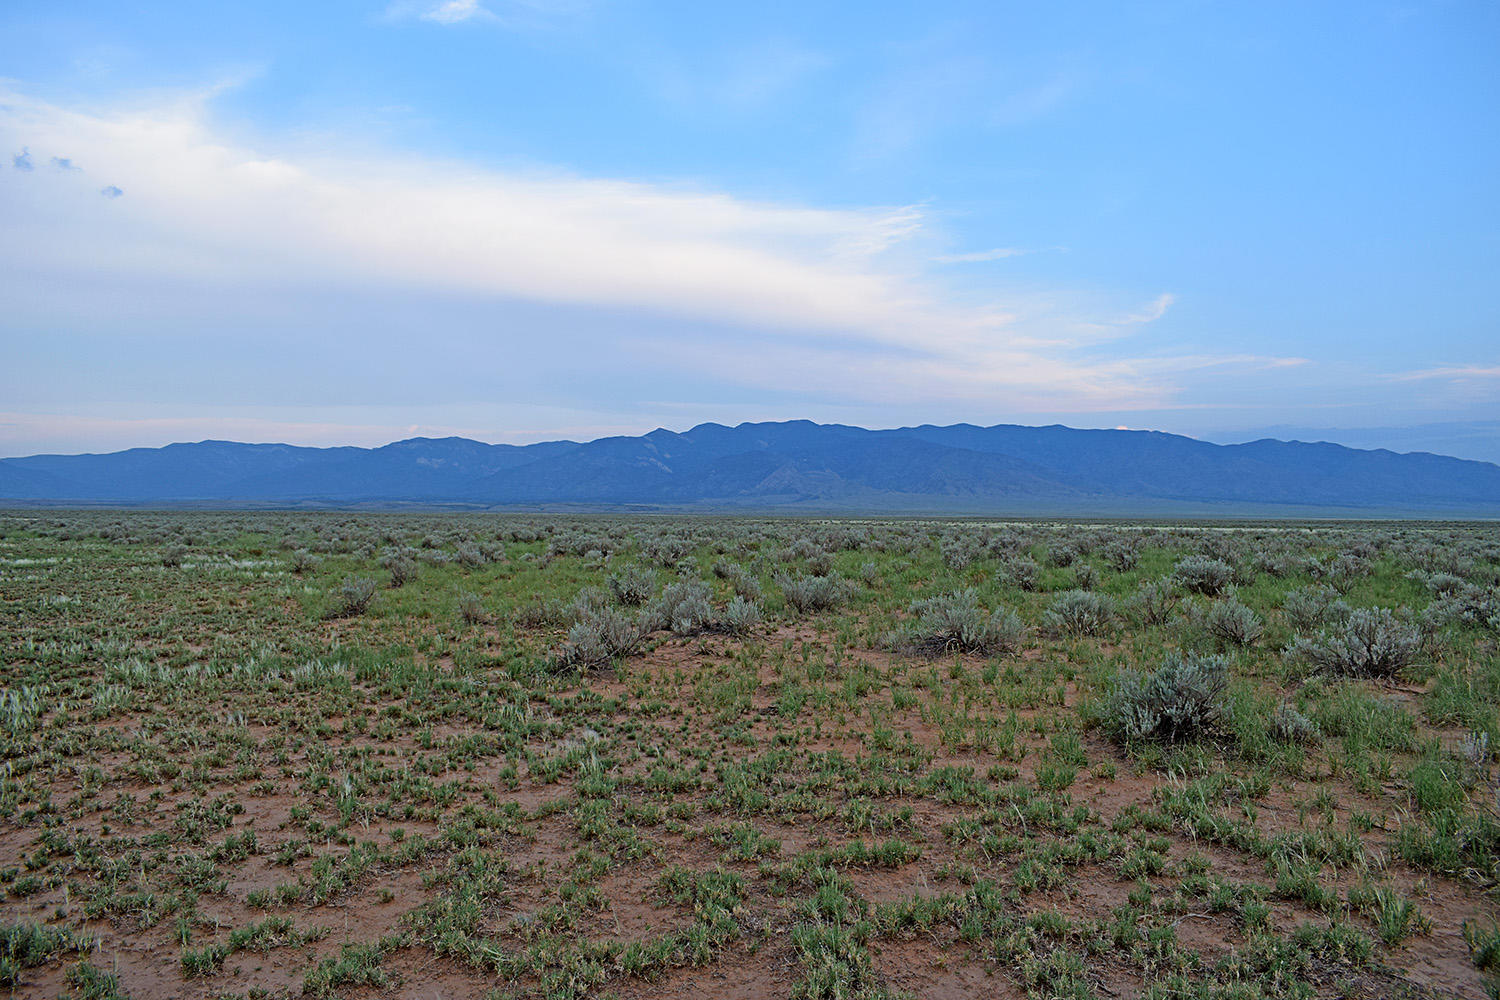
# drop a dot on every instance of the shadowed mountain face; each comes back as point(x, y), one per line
point(793, 465)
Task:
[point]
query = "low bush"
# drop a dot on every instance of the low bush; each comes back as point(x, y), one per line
point(1081, 612)
point(1231, 623)
point(353, 597)
point(602, 635)
point(1204, 575)
point(633, 585)
point(1371, 642)
point(814, 593)
point(741, 616)
point(1022, 573)
point(956, 623)
point(471, 608)
point(1179, 700)
point(1309, 608)
point(1291, 726)
point(684, 607)
point(1153, 601)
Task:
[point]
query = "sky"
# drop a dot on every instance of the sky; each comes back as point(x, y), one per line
point(362, 220)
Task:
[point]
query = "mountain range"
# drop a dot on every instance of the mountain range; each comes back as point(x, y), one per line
point(791, 466)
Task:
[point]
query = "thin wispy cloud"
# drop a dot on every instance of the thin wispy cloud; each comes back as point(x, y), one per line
point(1155, 311)
point(456, 11)
point(742, 79)
point(984, 256)
point(1036, 101)
point(508, 13)
point(1455, 373)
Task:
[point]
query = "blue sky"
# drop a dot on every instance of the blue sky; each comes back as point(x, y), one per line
point(349, 222)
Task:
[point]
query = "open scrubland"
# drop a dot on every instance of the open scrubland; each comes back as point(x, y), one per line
point(422, 755)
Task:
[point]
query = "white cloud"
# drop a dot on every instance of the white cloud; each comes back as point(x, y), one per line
point(840, 292)
point(455, 12)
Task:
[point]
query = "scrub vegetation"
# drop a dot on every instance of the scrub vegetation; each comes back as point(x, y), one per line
point(255, 755)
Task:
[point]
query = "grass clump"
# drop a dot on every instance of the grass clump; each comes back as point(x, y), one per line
point(26, 945)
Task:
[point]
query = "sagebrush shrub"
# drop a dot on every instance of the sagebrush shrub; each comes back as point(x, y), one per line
point(1231, 623)
point(1203, 575)
point(1371, 642)
point(1309, 608)
point(741, 579)
point(1291, 726)
point(814, 593)
point(602, 635)
point(470, 608)
point(353, 597)
point(1153, 601)
point(1021, 572)
point(1122, 554)
point(586, 604)
point(956, 623)
point(741, 615)
point(1081, 612)
point(633, 585)
point(684, 607)
point(403, 571)
point(1179, 700)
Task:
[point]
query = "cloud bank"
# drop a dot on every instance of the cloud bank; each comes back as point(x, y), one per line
point(835, 303)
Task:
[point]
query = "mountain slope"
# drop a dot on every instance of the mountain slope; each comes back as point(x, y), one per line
point(793, 465)
point(1169, 466)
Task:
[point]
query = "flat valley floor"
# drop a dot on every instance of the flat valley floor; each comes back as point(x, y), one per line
point(470, 755)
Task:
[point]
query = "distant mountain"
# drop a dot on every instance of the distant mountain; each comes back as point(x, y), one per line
point(1476, 439)
point(794, 465)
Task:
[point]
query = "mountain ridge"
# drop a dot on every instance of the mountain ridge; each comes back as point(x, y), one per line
point(789, 465)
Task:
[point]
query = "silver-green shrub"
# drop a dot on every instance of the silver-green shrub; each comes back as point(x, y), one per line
point(633, 585)
point(814, 593)
point(684, 607)
point(741, 615)
point(1081, 612)
point(1371, 642)
point(1309, 608)
point(956, 623)
point(1179, 700)
point(1291, 726)
point(602, 635)
point(1203, 574)
point(1231, 623)
point(353, 597)
point(1153, 601)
